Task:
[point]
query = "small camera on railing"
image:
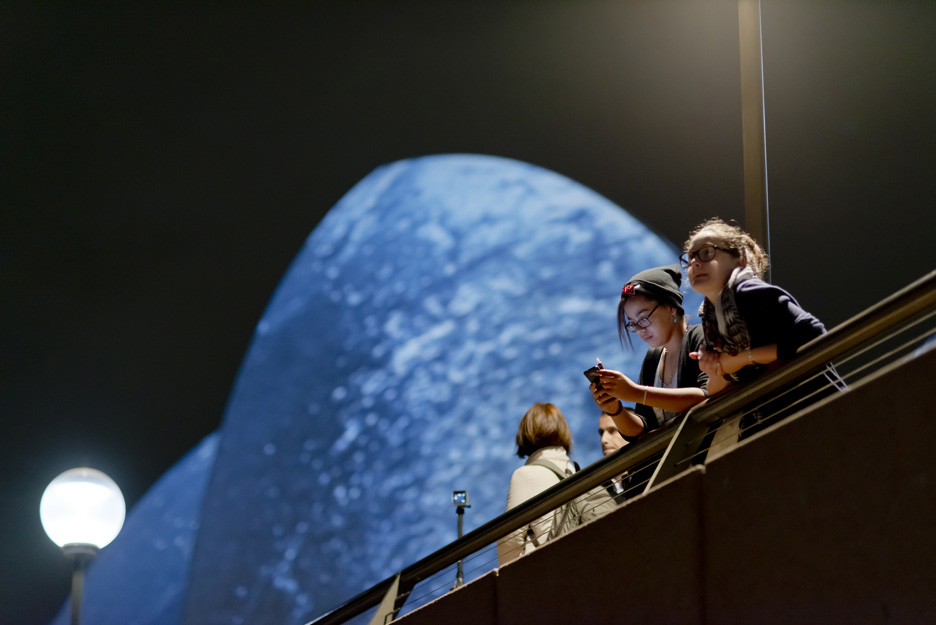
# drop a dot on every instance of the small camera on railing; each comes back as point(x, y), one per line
point(460, 499)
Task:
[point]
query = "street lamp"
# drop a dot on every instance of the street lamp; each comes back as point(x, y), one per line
point(82, 510)
point(460, 501)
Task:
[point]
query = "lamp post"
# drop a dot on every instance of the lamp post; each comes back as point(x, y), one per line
point(460, 501)
point(82, 510)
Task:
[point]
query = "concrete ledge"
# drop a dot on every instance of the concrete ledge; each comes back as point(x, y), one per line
point(639, 564)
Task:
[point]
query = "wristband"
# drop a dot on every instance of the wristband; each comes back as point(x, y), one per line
point(619, 410)
point(644, 402)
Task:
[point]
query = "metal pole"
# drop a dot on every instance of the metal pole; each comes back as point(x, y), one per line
point(459, 576)
point(77, 588)
point(753, 125)
point(81, 555)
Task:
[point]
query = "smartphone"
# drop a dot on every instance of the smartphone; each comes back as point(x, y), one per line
point(592, 374)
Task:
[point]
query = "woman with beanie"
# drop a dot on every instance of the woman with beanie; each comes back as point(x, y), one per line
point(670, 382)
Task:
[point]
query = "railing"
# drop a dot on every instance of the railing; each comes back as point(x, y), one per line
point(886, 332)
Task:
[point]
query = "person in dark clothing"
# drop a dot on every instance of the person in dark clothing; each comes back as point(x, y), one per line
point(670, 382)
point(747, 323)
point(611, 441)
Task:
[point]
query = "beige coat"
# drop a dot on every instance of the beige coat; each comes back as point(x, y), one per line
point(527, 481)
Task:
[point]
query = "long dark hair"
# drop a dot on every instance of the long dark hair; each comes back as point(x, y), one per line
point(642, 289)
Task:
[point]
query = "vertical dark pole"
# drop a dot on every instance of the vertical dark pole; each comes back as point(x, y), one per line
point(753, 126)
point(77, 589)
point(81, 555)
point(459, 576)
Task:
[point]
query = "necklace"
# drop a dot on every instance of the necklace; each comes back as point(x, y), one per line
point(663, 370)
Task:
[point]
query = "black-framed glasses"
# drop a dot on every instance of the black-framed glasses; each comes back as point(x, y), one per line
point(704, 254)
point(643, 322)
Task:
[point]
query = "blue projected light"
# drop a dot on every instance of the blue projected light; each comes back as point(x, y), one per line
point(438, 300)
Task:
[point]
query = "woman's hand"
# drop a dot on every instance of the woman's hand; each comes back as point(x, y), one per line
point(709, 362)
point(616, 386)
point(718, 364)
point(606, 403)
point(628, 423)
point(613, 388)
point(712, 363)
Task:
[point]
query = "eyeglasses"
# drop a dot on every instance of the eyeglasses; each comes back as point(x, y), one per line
point(631, 326)
point(704, 254)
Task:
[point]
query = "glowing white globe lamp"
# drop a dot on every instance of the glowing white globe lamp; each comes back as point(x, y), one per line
point(82, 510)
point(82, 506)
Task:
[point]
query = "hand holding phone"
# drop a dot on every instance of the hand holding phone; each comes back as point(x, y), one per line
point(592, 373)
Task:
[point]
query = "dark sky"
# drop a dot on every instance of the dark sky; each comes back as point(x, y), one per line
point(162, 163)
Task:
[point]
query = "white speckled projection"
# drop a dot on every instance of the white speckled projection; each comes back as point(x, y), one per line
point(436, 302)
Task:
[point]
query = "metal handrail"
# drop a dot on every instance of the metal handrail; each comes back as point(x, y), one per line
point(902, 306)
point(580, 482)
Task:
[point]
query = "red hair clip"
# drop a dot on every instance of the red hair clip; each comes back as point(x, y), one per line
point(629, 289)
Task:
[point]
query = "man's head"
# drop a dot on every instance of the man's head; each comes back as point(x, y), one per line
point(611, 439)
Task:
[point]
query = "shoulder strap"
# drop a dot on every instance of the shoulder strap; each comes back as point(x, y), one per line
point(565, 516)
point(555, 468)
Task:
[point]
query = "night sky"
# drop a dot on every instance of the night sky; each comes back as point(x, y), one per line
point(162, 164)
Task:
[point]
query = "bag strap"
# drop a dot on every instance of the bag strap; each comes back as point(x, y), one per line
point(555, 468)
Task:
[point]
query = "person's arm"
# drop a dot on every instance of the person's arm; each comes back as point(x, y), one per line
point(716, 384)
point(717, 365)
point(618, 385)
point(763, 355)
point(628, 423)
point(710, 364)
point(674, 399)
point(774, 318)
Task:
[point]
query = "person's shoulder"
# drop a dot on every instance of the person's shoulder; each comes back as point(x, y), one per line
point(652, 356)
point(753, 284)
point(755, 288)
point(650, 362)
point(533, 475)
point(695, 334)
point(550, 457)
point(693, 338)
point(527, 472)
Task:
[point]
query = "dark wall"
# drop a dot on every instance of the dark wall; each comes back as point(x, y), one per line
point(850, 139)
point(162, 163)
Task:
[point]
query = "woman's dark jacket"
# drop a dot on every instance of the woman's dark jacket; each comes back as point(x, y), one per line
point(688, 373)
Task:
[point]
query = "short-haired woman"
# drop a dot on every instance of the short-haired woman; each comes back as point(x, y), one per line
point(545, 440)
